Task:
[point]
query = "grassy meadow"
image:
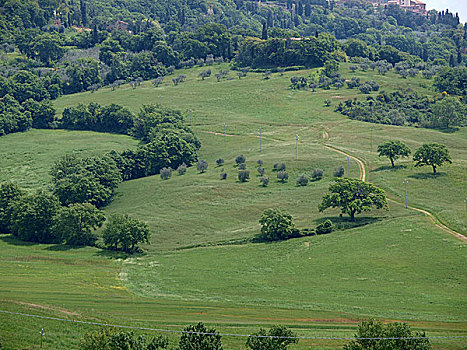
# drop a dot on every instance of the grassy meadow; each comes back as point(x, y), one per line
point(396, 266)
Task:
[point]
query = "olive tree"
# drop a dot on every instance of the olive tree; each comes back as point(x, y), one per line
point(353, 196)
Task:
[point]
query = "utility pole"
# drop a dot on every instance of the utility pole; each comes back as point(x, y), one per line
point(191, 118)
point(260, 139)
point(42, 334)
point(225, 139)
point(371, 139)
point(348, 167)
point(296, 145)
point(405, 183)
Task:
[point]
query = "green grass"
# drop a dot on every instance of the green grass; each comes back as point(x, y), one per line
point(26, 158)
point(398, 267)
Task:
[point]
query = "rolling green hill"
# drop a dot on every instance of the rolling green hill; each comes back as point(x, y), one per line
point(399, 266)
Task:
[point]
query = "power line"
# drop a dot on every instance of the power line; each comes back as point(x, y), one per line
point(222, 334)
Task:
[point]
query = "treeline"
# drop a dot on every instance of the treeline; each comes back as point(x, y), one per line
point(407, 108)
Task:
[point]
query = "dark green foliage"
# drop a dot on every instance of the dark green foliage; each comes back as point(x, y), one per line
point(9, 192)
point(85, 180)
point(202, 165)
point(220, 162)
point(393, 150)
point(94, 117)
point(317, 174)
point(276, 225)
point(339, 171)
point(264, 181)
point(432, 154)
point(302, 180)
point(352, 196)
point(181, 169)
point(277, 338)
point(240, 159)
point(12, 116)
point(124, 233)
point(195, 338)
point(166, 173)
point(376, 329)
point(42, 113)
point(243, 175)
point(109, 339)
point(282, 176)
point(324, 227)
point(223, 175)
point(449, 112)
point(452, 80)
point(242, 166)
point(396, 108)
point(32, 217)
point(259, 162)
point(261, 170)
point(74, 224)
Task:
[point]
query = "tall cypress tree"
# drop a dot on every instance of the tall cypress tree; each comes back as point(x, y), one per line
point(264, 36)
point(84, 16)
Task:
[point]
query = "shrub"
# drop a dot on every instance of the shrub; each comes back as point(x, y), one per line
point(325, 227)
point(181, 169)
point(240, 159)
point(278, 338)
point(198, 337)
point(242, 166)
point(220, 162)
point(259, 162)
point(261, 171)
point(283, 176)
point(166, 173)
point(223, 175)
point(327, 103)
point(276, 225)
point(202, 165)
point(264, 181)
point(353, 68)
point(317, 174)
point(279, 166)
point(243, 175)
point(339, 171)
point(302, 180)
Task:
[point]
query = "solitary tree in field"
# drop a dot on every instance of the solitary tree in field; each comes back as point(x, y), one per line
point(124, 233)
point(353, 196)
point(393, 150)
point(432, 154)
point(202, 165)
point(198, 337)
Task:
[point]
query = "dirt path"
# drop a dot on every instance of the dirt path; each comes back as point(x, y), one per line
point(432, 218)
point(362, 168)
point(359, 162)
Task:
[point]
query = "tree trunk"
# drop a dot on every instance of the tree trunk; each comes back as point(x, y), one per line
point(392, 162)
point(352, 216)
point(434, 169)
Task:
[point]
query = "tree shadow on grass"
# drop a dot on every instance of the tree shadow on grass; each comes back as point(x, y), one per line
point(114, 254)
point(62, 247)
point(10, 239)
point(344, 223)
point(425, 176)
point(388, 167)
point(448, 130)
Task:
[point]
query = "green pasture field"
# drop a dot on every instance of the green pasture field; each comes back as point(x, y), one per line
point(199, 265)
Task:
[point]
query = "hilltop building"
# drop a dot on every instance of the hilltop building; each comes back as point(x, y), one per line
point(416, 6)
